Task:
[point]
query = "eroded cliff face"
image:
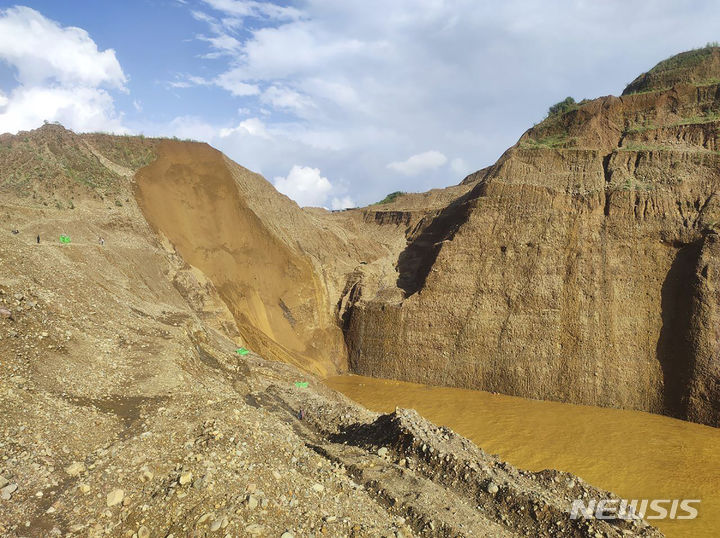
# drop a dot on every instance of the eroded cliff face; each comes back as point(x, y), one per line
point(581, 267)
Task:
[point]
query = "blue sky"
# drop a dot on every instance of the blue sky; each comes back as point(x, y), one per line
point(336, 102)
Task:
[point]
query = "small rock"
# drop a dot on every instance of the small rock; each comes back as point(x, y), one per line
point(382, 452)
point(287, 534)
point(75, 468)
point(143, 532)
point(147, 475)
point(204, 517)
point(492, 488)
point(84, 488)
point(7, 492)
point(3, 481)
point(318, 488)
point(216, 525)
point(116, 496)
point(185, 478)
point(252, 502)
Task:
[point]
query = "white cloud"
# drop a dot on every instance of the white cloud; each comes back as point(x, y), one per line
point(83, 109)
point(422, 162)
point(342, 203)
point(251, 126)
point(305, 185)
point(285, 98)
point(187, 127)
point(40, 50)
point(223, 43)
point(61, 75)
point(354, 85)
point(232, 81)
point(249, 8)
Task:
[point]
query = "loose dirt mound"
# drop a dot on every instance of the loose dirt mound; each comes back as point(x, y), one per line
point(189, 195)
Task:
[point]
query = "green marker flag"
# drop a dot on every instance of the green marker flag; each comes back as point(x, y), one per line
point(242, 351)
point(64, 238)
point(301, 384)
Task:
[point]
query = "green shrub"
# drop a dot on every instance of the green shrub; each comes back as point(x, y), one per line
point(390, 198)
point(562, 107)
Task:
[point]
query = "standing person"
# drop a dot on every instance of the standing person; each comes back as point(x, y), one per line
point(38, 239)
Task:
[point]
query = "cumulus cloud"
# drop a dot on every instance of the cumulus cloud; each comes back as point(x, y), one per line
point(305, 185)
point(40, 50)
point(61, 74)
point(251, 126)
point(354, 85)
point(422, 162)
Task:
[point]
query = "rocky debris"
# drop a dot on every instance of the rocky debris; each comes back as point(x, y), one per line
point(75, 468)
point(116, 496)
point(6, 492)
point(185, 478)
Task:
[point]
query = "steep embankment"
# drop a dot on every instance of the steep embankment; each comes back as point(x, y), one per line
point(189, 195)
point(580, 267)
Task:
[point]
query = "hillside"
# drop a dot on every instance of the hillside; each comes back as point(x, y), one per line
point(126, 409)
point(580, 267)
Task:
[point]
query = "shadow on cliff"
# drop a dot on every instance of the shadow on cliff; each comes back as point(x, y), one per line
point(415, 262)
point(673, 347)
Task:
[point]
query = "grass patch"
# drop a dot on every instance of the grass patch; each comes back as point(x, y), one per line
point(685, 60)
point(390, 198)
point(708, 117)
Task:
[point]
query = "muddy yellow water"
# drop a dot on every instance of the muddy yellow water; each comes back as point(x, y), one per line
point(636, 455)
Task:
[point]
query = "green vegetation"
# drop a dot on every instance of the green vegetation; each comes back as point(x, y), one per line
point(708, 117)
point(563, 106)
point(640, 128)
point(634, 146)
point(686, 67)
point(390, 197)
point(685, 60)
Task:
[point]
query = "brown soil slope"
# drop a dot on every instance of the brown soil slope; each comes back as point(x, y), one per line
point(580, 267)
point(190, 196)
